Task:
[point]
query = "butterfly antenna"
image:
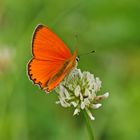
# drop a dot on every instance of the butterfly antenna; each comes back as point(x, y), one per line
point(82, 54)
point(76, 41)
point(75, 47)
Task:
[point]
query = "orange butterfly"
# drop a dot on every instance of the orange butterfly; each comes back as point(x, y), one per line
point(51, 61)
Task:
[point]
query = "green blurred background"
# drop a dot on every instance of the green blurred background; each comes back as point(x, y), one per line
point(112, 28)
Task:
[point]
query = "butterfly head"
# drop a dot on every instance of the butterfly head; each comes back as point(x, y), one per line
point(77, 58)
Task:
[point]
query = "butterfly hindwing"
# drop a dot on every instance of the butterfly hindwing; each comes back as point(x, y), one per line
point(41, 71)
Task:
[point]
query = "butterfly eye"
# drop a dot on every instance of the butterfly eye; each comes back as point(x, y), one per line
point(77, 58)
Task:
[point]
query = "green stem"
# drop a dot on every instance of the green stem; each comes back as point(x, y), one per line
point(88, 125)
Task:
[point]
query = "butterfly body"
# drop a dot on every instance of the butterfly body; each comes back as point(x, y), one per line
point(51, 61)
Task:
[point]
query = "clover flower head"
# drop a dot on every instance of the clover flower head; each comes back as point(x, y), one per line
point(79, 89)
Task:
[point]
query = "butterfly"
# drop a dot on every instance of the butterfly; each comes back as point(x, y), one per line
point(51, 61)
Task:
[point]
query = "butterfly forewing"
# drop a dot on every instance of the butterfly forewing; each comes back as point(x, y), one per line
point(47, 46)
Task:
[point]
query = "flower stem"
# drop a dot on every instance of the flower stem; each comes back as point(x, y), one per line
point(88, 125)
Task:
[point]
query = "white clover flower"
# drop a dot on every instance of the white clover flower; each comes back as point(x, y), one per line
point(80, 91)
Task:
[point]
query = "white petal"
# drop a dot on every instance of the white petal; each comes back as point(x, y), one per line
point(66, 93)
point(86, 102)
point(77, 91)
point(96, 106)
point(87, 93)
point(74, 104)
point(89, 114)
point(106, 95)
point(89, 76)
point(97, 84)
point(92, 95)
point(76, 111)
point(70, 86)
point(64, 103)
point(61, 92)
point(82, 105)
point(81, 97)
point(79, 73)
point(57, 102)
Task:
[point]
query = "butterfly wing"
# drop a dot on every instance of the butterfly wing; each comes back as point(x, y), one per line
point(65, 69)
point(41, 71)
point(47, 46)
point(49, 55)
